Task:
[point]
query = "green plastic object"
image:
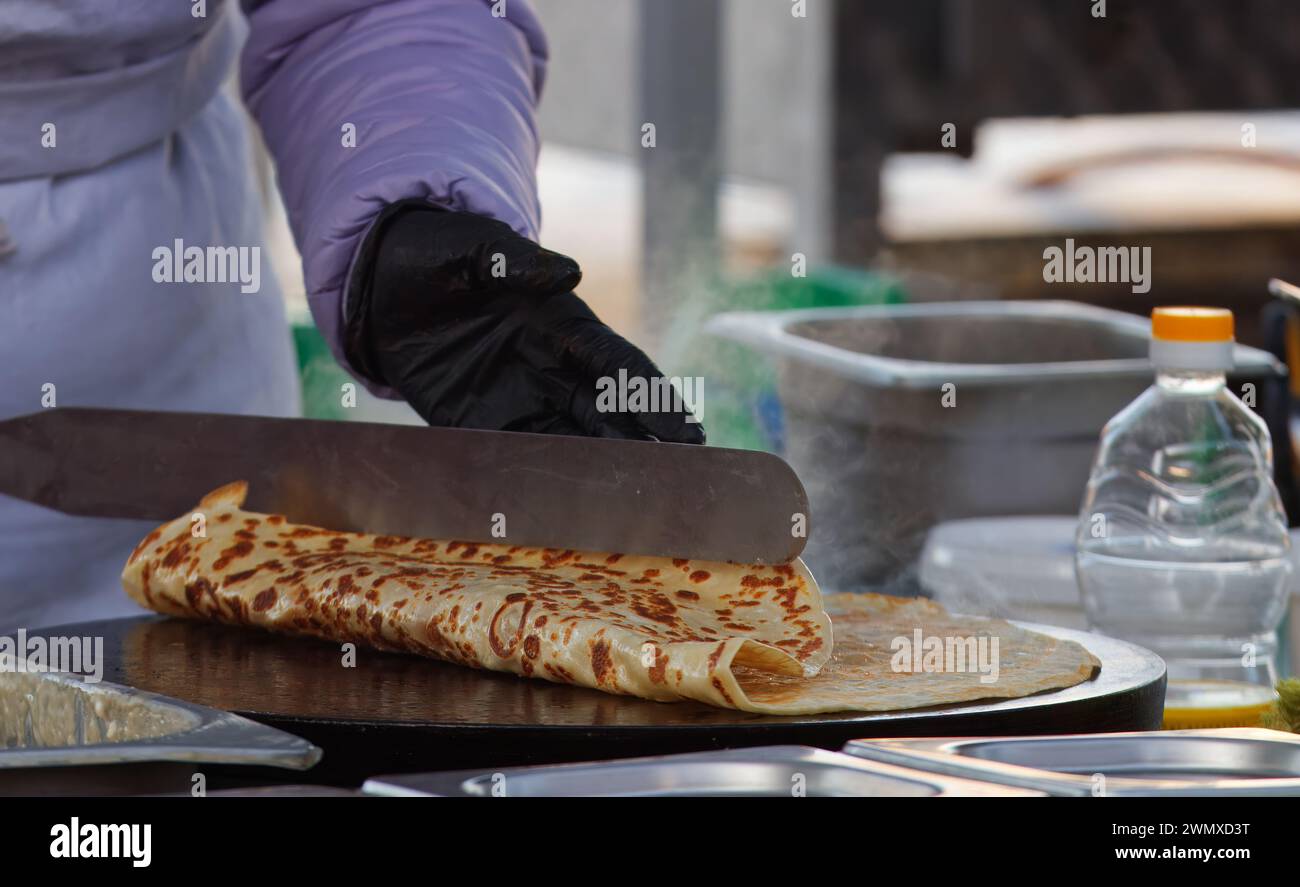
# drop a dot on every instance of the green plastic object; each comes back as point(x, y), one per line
point(741, 409)
point(321, 377)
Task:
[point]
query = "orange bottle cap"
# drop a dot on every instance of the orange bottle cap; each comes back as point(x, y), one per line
point(1186, 324)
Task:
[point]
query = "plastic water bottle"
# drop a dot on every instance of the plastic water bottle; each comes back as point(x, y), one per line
point(1182, 544)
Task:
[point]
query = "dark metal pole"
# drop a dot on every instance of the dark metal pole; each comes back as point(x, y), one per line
point(681, 156)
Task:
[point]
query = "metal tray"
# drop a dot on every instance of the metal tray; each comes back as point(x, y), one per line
point(62, 724)
point(922, 345)
point(1241, 761)
point(773, 771)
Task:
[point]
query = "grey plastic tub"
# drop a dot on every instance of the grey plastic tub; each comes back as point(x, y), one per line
point(883, 458)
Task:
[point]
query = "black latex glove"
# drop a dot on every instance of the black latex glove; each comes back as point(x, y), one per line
point(516, 352)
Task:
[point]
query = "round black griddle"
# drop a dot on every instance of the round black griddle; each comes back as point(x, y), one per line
point(393, 713)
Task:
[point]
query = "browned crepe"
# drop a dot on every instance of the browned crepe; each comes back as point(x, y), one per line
point(651, 627)
point(753, 638)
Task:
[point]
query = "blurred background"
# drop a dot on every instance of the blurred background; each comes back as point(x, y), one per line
point(822, 187)
point(818, 128)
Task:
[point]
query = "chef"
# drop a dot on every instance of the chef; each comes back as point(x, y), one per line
point(131, 272)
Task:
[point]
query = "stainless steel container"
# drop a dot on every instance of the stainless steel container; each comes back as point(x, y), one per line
point(1233, 761)
point(773, 771)
point(898, 417)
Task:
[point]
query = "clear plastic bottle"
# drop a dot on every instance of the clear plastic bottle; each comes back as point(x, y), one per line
point(1182, 544)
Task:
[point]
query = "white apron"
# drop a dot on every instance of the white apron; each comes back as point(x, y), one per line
point(149, 149)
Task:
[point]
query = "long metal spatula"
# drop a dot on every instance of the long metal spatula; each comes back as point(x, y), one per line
point(590, 494)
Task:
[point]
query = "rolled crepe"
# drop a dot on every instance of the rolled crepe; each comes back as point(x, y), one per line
point(749, 637)
point(651, 627)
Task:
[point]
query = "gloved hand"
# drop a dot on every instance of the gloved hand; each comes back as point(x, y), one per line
point(480, 328)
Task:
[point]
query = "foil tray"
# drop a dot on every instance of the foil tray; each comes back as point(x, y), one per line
point(1236, 761)
point(55, 720)
point(771, 771)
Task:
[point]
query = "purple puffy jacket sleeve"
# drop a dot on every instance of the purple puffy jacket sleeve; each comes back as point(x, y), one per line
point(442, 95)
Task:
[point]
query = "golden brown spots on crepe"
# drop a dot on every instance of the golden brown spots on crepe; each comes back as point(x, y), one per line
point(812, 646)
point(194, 592)
point(660, 665)
point(656, 607)
point(144, 543)
point(552, 559)
point(235, 578)
point(242, 548)
point(179, 550)
point(601, 664)
point(505, 648)
point(715, 655)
